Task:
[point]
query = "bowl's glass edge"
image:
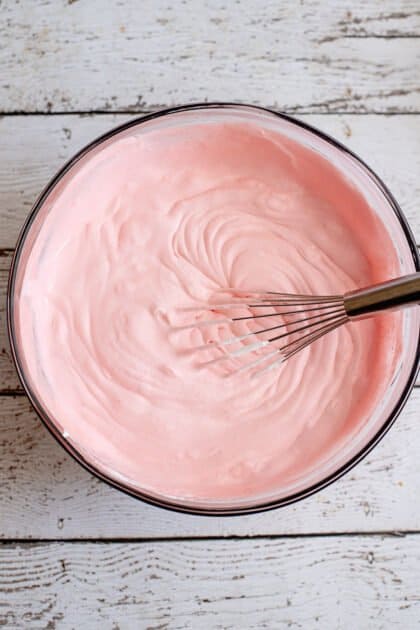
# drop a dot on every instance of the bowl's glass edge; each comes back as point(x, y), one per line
point(180, 506)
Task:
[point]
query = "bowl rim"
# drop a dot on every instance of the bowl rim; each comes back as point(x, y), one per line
point(160, 501)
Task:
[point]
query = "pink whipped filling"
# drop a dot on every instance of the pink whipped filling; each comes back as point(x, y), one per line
point(168, 218)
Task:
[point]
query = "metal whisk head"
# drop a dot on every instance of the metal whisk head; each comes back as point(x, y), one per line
point(285, 323)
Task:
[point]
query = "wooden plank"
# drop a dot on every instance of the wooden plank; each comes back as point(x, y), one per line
point(356, 582)
point(46, 494)
point(32, 148)
point(77, 56)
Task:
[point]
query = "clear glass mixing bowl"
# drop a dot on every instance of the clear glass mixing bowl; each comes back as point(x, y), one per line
point(384, 205)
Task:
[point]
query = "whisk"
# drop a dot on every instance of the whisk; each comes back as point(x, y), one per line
point(304, 318)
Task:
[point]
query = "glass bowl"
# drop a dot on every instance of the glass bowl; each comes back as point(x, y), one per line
point(380, 199)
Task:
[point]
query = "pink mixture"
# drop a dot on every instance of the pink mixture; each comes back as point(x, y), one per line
point(168, 218)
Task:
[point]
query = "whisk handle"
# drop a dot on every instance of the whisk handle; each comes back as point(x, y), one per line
point(393, 294)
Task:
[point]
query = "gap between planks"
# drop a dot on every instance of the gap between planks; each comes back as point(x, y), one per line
point(291, 111)
point(234, 537)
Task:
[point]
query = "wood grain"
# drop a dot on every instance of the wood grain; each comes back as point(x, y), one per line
point(45, 494)
point(301, 57)
point(369, 583)
point(32, 148)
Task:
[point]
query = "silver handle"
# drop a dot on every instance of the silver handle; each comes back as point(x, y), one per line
point(393, 294)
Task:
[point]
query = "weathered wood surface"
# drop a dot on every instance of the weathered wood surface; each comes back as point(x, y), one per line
point(44, 494)
point(309, 56)
point(68, 56)
point(32, 148)
point(368, 583)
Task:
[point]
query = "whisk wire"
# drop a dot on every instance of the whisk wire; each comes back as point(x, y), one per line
point(287, 355)
point(294, 346)
point(311, 317)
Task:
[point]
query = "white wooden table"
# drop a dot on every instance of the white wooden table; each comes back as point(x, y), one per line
point(75, 553)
